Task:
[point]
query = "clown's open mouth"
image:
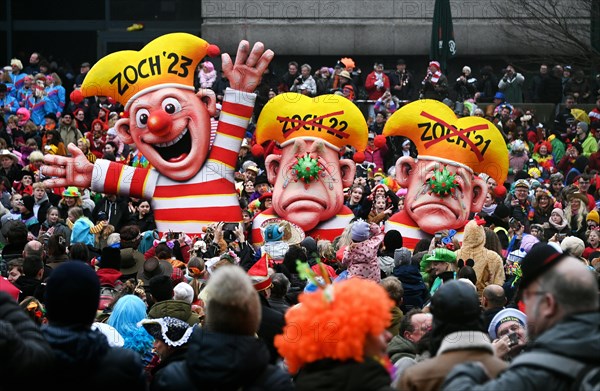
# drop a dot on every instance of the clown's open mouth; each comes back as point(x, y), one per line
point(176, 150)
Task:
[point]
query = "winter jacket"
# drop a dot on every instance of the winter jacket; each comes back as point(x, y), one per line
point(30, 286)
point(179, 309)
point(415, 291)
point(217, 361)
point(271, 324)
point(334, 375)
point(488, 264)
point(457, 347)
point(69, 134)
point(361, 257)
point(372, 87)
point(376, 156)
point(117, 212)
point(575, 337)
point(512, 88)
point(85, 361)
point(558, 148)
point(399, 347)
point(589, 145)
point(41, 207)
point(24, 349)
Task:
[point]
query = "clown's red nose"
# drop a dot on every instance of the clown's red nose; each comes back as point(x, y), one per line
point(159, 123)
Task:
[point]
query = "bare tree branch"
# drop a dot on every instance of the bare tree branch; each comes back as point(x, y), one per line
point(549, 27)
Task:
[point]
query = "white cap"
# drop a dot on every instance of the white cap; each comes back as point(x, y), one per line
point(183, 291)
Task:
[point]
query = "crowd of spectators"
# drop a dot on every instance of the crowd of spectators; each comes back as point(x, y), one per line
point(166, 310)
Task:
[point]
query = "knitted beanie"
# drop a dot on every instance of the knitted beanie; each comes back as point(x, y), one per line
point(573, 245)
point(72, 294)
point(402, 256)
point(183, 291)
point(360, 231)
point(594, 216)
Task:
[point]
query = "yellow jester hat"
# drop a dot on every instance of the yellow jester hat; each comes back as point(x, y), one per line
point(332, 118)
point(168, 61)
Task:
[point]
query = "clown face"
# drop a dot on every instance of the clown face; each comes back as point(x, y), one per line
point(433, 210)
point(171, 128)
point(307, 204)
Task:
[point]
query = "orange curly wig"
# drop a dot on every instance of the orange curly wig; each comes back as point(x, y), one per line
point(334, 324)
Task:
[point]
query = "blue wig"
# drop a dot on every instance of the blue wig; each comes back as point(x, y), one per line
point(127, 312)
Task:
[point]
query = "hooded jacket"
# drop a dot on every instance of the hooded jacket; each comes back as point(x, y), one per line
point(85, 361)
point(576, 337)
point(416, 293)
point(179, 309)
point(457, 347)
point(217, 361)
point(24, 349)
point(488, 264)
point(400, 347)
point(361, 257)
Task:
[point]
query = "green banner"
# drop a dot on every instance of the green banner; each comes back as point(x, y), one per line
point(443, 46)
point(595, 25)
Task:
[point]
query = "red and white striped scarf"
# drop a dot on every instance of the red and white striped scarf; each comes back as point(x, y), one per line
point(436, 77)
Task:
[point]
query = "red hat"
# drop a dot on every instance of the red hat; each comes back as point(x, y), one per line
point(435, 64)
point(265, 196)
point(259, 274)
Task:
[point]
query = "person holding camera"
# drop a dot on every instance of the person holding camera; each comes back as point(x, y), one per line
point(511, 85)
point(519, 203)
point(466, 85)
point(305, 84)
point(230, 236)
point(508, 332)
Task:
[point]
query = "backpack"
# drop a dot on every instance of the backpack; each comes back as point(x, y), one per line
point(585, 377)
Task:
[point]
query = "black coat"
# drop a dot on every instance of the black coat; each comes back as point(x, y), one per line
point(117, 212)
point(24, 349)
point(271, 324)
point(85, 361)
point(30, 286)
point(217, 361)
point(343, 376)
point(147, 223)
point(43, 211)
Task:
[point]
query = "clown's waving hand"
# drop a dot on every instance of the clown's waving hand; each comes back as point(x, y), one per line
point(190, 183)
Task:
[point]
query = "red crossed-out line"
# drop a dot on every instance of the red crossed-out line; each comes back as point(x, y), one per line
point(300, 123)
point(455, 132)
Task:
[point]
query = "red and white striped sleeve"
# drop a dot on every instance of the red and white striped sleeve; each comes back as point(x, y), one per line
point(116, 178)
point(237, 110)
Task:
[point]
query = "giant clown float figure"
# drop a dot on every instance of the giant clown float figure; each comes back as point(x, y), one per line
point(190, 184)
point(308, 177)
point(443, 188)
